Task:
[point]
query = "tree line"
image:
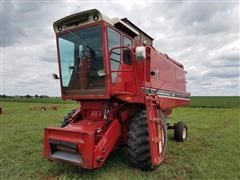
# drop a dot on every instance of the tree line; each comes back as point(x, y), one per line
point(24, 96)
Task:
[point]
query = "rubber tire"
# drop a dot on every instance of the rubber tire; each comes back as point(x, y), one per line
point(67, 118)
point(139, 155)
point(178, 131)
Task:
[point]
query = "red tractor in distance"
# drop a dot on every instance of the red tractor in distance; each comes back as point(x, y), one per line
point(125, 88)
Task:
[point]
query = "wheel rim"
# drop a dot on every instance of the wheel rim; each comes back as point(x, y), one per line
point(161, 143)
point(184, 134)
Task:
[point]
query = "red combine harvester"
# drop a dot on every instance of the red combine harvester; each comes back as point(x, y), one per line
point(125, 88)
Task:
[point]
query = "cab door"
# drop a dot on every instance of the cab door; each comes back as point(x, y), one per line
point(114, 41)
point(127, 67)
point(121, 69)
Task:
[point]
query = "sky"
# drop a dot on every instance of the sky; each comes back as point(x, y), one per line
point(202, 35)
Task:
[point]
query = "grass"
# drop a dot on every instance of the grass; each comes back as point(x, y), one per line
point(215, 101)
point(211, 151)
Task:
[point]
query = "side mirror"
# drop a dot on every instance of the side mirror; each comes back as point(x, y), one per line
point(55, 76)
point(140, 53)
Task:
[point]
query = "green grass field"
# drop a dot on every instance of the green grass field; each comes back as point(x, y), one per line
point(215, 101)
point(52, 100)
point(211, 152)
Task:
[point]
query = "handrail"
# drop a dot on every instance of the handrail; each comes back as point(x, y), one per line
point(125, 70)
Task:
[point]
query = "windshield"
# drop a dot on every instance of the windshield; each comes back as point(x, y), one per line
point(81, 61)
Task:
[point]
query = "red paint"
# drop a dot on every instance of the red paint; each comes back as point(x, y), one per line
point(101, 122)
point(106, 143)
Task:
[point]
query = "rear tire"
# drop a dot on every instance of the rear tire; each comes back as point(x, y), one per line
point(138, 142)
point(180, 132)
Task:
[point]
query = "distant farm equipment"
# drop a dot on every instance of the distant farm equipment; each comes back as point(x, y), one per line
point(44, 108)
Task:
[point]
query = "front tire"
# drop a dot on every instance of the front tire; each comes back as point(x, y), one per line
point(138, 142)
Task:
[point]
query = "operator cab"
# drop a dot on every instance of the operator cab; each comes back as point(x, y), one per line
point(95, 55)
point(81, 61)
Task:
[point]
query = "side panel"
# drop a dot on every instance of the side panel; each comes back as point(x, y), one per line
point(106, 144)
point(167, 82)
point(168, 76)
point(180, 83)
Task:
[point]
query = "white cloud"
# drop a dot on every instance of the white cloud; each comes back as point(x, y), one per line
point(203, 36)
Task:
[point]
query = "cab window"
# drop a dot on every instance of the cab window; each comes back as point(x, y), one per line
point(127, 42)
point(114, 40)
